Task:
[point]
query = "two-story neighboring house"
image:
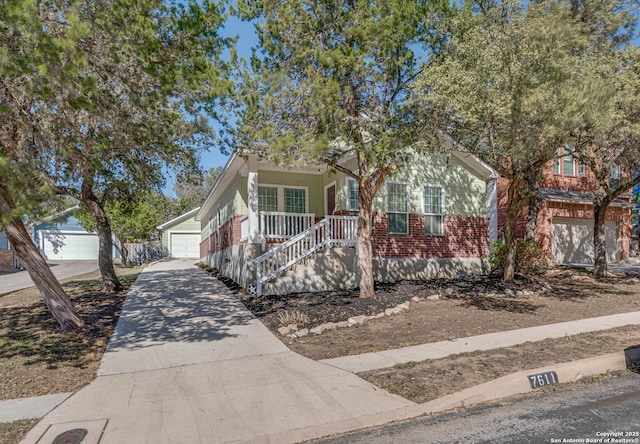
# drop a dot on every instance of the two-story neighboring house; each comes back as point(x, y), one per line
point(293, 229)
point(565, 219)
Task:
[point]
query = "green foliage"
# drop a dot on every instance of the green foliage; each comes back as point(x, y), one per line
point(328, 74)
point(530, 257)
point(132, 218)
point(106, 95)
point(191, 192)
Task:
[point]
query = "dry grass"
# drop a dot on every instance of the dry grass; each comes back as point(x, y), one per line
point(36, 357)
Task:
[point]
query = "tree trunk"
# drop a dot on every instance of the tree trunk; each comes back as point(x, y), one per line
point(600, 204)
point(52, 292)
point(532, 217)
point(514, 203)
point(365, 254)
point(105, 256)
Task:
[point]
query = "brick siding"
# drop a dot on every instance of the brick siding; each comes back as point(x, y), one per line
point(464, 237)
point(6, 258)
point(227, 235)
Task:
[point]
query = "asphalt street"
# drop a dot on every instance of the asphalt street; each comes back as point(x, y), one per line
point(604, 412)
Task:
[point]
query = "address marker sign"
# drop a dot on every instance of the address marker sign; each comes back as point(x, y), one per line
point(543, 379)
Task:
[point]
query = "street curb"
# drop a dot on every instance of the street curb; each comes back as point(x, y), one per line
point(503, 387)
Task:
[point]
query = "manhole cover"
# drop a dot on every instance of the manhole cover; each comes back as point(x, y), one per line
point(74, 436)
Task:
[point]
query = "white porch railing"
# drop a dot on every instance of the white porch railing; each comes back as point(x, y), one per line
point(344, 229)
point(334, 230)
point(280, 225)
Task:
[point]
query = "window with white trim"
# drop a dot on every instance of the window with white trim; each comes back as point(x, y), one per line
point(398, 207)
point(294, 200)
point(433, 209)
point(568, 163)
point(353, 204)
point(267, 198)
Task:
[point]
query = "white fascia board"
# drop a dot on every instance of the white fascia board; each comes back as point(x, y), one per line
point(229, 171)
point(179, 219)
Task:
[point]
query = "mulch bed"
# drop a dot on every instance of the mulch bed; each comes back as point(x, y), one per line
point(340, 305)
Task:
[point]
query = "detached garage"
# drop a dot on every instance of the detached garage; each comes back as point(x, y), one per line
point(572, 241)
point(62, 237)
point(62, 245)
point(181, 236)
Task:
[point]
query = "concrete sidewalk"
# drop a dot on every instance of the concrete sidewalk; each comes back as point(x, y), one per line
point(188, 363)
point(490, 341)
point(60, 269)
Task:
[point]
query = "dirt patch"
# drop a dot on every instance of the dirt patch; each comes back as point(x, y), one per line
point(12, 432)
point(36, 357)
point(427, 380)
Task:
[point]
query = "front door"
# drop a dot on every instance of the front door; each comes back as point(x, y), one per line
point(330, 199)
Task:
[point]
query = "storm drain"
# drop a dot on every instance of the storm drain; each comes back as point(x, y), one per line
point(74, 436)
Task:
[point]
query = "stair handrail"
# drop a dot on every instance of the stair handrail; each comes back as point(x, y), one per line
point(308, 236)
point(332, 230)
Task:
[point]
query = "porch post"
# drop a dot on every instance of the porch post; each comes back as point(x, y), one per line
point(252, 201)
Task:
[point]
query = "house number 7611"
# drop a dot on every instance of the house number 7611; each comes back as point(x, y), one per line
point(543, 379)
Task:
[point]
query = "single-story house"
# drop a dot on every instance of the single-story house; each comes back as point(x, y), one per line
point(293, 229)
point(181, 236)
point(62, 237)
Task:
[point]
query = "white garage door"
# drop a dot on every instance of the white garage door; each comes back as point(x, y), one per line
point(185, 245)
point(572, 241)
point(60, 246)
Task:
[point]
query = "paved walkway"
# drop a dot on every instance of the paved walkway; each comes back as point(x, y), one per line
point(61, 269)
point(188, 363)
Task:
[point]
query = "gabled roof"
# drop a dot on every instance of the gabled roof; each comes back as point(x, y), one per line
point(175, 221)
point(55, 216)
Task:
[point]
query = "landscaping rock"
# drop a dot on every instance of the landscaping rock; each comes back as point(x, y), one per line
point(302, 333)
point(342, 324)
point(358, 320)
point(416, 299)
point(317, 330)
point(284, 331)
point(509, 292)
point(329, 326)
point(389, 311)
point(404, 305)
point(434, 297)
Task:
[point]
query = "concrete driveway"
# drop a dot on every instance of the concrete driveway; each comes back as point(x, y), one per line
point(188, 363)
point(61, 269)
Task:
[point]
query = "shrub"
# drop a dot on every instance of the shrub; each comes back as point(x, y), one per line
point(530, 257)
point(292, 317)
